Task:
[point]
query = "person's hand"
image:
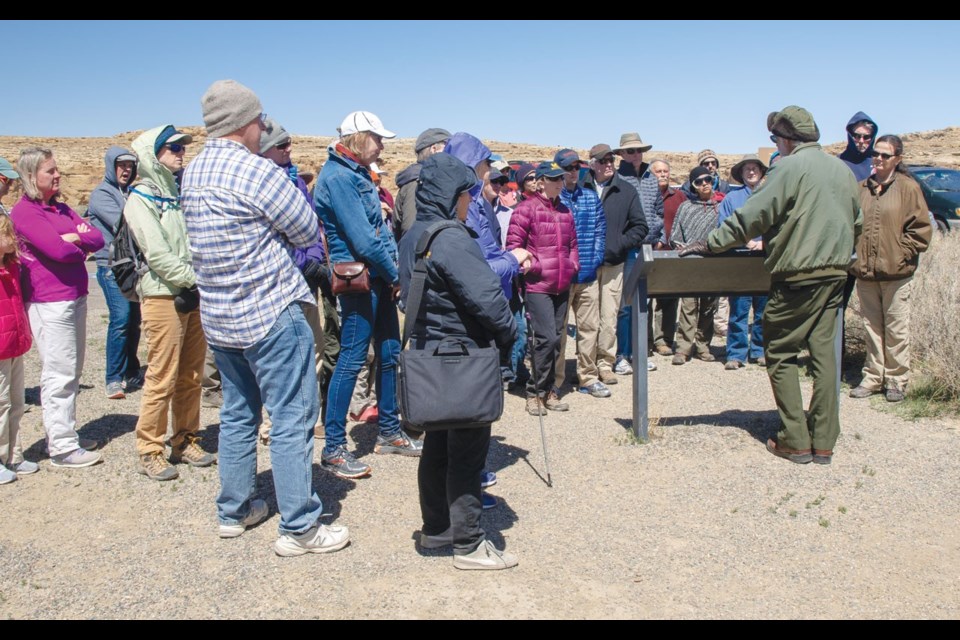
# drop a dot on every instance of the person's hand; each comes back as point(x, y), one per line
point(396, 291)
point(659, 246)
point(83, 228)
point(522, 255)
point(525, 265)
point(755, 245)
point(693, 248)
point(70, 237)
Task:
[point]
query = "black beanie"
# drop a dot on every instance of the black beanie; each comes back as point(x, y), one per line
point(696, 172)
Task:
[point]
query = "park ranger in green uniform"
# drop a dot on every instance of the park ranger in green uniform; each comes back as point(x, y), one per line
point(808, 212)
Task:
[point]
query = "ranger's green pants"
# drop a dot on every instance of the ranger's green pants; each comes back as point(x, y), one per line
point(795, 317)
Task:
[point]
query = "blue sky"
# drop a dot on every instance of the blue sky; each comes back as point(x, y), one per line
point(682, 85)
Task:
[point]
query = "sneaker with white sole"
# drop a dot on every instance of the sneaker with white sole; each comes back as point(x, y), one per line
point(597, 390)
point(342, 463)
point(623, 367)
point(651, 365)
point(115, 391)
point(258, 511)
point(487, 479)
point(399, 444)
point(485, 557)
point(319, 539)
point(24, 467)
point(6, 475)
point(488, 501)
point(76, 459)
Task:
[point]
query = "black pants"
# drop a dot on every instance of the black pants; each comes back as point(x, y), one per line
point(449, 480)
point(548, 318)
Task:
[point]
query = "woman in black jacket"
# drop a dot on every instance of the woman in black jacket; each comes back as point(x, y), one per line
point(462, 298)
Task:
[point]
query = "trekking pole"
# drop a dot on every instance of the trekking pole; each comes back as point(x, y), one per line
point(533, 365)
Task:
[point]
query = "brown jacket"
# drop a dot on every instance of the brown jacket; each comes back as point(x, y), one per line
point(896, 228)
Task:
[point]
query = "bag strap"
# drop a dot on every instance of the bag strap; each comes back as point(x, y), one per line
point(419, 279)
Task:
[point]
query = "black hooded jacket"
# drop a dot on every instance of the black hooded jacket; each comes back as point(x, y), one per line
point(462, 296)
point(860, 163)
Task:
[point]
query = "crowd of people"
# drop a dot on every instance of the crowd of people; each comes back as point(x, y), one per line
point(285, 303)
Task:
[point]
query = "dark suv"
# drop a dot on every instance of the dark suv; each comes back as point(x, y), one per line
point(941, 189)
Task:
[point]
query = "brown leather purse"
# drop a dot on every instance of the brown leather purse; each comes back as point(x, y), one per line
point(347, 278)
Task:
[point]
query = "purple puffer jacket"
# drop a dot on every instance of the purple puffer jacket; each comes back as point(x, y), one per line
point(547, 231)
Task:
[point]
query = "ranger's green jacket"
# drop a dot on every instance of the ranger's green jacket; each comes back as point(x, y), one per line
point(808, 211)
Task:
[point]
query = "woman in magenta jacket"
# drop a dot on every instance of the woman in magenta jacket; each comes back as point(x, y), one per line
point(542, 225)
point(55, 243)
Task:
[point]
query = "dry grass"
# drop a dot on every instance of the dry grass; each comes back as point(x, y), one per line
point(934, 320)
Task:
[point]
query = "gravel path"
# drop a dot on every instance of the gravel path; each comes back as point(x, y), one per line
point(701, 522)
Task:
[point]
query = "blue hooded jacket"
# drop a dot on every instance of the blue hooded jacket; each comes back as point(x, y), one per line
point(107, 201)
point(860, 163)
point(471, 152)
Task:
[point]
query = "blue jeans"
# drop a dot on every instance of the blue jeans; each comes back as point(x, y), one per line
point(280, 370)
point(519, 349)
point(364, 316)
point(738, 335)
point(123, 331)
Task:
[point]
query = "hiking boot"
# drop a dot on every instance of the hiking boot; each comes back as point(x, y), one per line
point(679, 358)
point(822, 456)
point(597, 390)
point(343, 463)
point(485, 557)
point(732, 365)
point(191, 453)
point(76, 459)
point(319, 539)
point(6, 475)
point(487, 479)
point(212, 399)
point(663, 350)
point(800, 457)
point(488, 501)
point(155, 466)
point(706, 356)
point(893, 394)
point(258, 511)
point(438, 541)
point(623, 367)
point(651, 365)
point(553, 402)
point(607, 377)
point(24, 467)
point(535, 406)
point(115, 391)
point(399, 444)
point(861, 391)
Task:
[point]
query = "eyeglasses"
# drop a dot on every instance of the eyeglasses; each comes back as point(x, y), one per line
point(709, 163)
point(572, 168)
point(285, 145)
point(553, 178)
point(631, 152)
point(176, 147)
point(263, 118)
point(885, 156)
point(607, 160)
point(699, 182)
point(862, 136)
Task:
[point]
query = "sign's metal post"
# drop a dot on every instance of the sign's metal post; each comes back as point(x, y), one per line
point(638, 329)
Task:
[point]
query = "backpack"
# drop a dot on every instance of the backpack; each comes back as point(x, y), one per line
point(125, 258)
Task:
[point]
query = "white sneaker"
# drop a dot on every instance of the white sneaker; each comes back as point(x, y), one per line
point(319, 539)
point(24, 468)
point(76, 459)
point(485, 557)
point(258, 511)
point(651, 365)
point(623, 367)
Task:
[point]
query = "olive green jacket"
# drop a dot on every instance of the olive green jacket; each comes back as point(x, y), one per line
point(808, 212)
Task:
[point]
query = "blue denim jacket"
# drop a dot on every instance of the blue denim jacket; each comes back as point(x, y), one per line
point(346, 201)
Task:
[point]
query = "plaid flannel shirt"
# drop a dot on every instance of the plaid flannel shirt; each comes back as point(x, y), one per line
point(244, 219)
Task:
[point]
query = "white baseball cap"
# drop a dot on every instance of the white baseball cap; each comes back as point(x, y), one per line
point(363, 121)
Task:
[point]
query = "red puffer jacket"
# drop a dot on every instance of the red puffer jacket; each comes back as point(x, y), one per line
point(547, 231)
point(15, 337)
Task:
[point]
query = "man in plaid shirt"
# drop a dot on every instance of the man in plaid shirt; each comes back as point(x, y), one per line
point(244, 219)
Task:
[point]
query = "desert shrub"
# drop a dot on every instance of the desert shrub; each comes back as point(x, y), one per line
point(935, 316)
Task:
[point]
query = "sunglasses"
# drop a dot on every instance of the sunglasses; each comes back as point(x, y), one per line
point(709, 163)
point(572, 168)
point(699, 182)
point(632, 152)
point(285, 145)
point(498, 183)
point(607, 160)
point(885, 156)
point(773, 139)
point(176, 147)
point(553, 178)
point(529, 178)
point(861, 136)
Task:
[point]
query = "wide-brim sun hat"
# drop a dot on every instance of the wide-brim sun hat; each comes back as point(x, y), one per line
point(736, 173)
point(633, 140)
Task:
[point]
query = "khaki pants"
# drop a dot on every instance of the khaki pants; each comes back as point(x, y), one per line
point(721, 317)
point(695, 327)
point(11, 410)
point(611, 291)
point(585, 304)
point(175, 354)
point(885, 307)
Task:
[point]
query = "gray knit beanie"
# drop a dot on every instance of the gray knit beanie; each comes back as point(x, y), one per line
point(227, 106)
point(272, 135)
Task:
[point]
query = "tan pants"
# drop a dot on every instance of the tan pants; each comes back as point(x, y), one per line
point(11, 410)
point(585, 306)
point(314, 318)
point(722, 317)
point(611, 291)
point(175, 354)
point(885, 307)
